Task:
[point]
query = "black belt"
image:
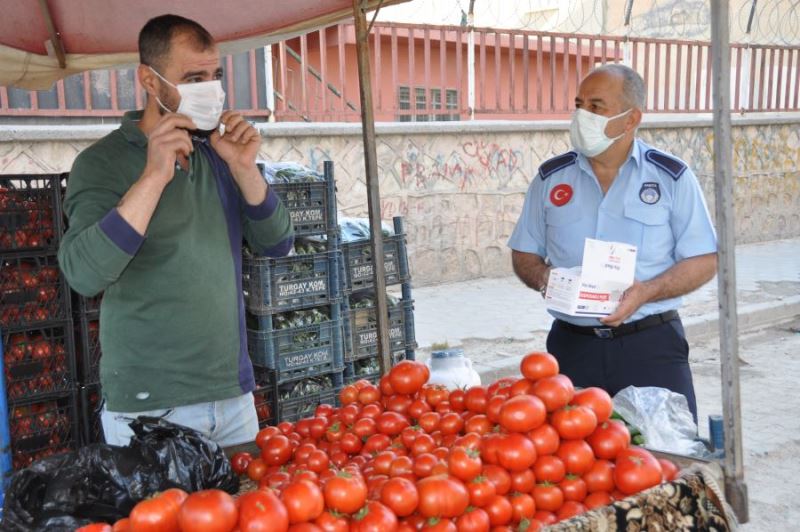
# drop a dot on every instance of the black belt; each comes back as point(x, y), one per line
point(625, 328)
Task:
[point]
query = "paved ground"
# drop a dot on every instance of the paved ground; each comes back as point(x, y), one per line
point(497, 321)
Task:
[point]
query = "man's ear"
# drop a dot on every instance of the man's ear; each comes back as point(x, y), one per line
point(148, 79)
point(634, 119)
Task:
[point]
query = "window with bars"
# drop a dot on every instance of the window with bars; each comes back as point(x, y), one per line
point(427, 105)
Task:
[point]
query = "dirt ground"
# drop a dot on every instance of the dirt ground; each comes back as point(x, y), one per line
point(770, 406)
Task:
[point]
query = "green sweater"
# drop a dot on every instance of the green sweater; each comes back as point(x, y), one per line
point(172, 328)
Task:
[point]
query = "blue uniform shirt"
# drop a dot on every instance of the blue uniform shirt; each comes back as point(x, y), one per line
point(654, 203)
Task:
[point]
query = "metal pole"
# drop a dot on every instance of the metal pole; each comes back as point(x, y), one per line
point(735, 488)
point(269, 83)
point(471, 62)
point(373, 185)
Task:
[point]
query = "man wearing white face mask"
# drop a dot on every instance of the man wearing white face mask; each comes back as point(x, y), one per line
point(614, 187)
point(157, 212)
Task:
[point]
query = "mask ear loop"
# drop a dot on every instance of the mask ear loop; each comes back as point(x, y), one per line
point(165, 80)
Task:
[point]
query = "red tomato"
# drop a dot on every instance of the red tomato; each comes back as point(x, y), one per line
point(576, 455)
point(636, 469)
point(473, 520)
point(417, 408)
point(435, 524)
point(156, 515)
point(399, 403)
point(538, 365)
point(499, 510)
point(481, 490)
point(400, 496)
point(523, 481)
point(494, 407)
point(318, 461)
point(429, 421)
point(369, 394)
point(609, 438)
point(424, 464)
point(479, 424)
point(456, 400)
point(548, 497)
point(240, 461)
point(596, 399)
point(499, 477)
point(262, 511)
point(333, 522)
point(345, 493)
point(208, 511)
point(95, 527)
point(277, 450)
point(516, 452)
point(451, 423)
point(545, 439)
point(374, 517)
point(464, 464)
point(545, 517)
point(523, 507)
point(574, 488)
point(123, 525)
point(385, 386)
point(521, 387)
point(669, 469)
point(574, 422)
point(407, 377)
point(402, 465)
point(570, 509)
point(303, 500)
point(600, 477)
point(549, 469)
point(522, 413)
point(256, 469)
point(597, 499)
point(555, 391)
point(442, 496)
point(476, 399)
point(265, 434)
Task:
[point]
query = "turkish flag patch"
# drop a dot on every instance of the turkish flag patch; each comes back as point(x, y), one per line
point(560, 195)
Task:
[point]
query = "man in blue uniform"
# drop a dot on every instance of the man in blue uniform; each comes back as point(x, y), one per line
point(614, 187)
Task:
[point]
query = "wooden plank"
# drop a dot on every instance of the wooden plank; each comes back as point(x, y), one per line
point(482, 74)
point(770, 78)
point(342, 75)
point(304, 108)
point(251, 59)
point(539, 72)
point(657, 80)
point(376, 35)
point(62, 98)
point(323, 67)
point(497, 55)
point(459, 70)
point(565, 80)
point(230, 75)
point(426, 49)
point(443, 68)
point(512, 88)
point(395, 59)
point(525, 72)
point(553, 58)
point(284, 74)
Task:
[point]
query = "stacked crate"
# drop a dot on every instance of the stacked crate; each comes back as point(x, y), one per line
point(35, 320)
point(362, 359)
point(294, 326)
point(87, 329)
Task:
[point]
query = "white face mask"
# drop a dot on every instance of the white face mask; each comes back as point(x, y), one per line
point(588, 132)
point(202, 102)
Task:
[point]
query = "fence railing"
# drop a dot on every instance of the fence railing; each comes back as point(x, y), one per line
point(422, 73)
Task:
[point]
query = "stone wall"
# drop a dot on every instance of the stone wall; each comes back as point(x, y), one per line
point(460, 186)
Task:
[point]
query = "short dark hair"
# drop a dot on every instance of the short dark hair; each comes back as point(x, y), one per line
point(156, 36)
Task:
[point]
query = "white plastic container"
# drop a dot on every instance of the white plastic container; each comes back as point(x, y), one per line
point(452, 369)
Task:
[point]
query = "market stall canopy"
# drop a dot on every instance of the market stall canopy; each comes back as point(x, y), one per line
point(42, 41)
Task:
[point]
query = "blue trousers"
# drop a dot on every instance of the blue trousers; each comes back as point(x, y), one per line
point(656, 356)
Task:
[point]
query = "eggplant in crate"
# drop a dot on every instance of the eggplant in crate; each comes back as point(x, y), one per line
point(294, 400)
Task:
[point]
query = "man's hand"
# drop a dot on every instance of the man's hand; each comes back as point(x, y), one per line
point(167, 141)
point(239, 145)
point(633, 298)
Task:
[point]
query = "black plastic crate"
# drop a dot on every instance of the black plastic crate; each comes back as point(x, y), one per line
point(88, 348)
point(32, 291)
point(30, 212)
point(308, 206)
point(89, 306)
point(358, 262)
point(368, 368)
point(91, 425)
point(361, 331)
point(277, 285)
point(296, 352)
point(295, 400)
point(41, 429)
point(39, 362)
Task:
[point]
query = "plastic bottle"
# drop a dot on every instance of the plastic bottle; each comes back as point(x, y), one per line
point(716, 433)
point(452, 369)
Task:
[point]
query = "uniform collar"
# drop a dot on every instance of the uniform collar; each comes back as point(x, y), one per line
point(635, 155)
point(130, 128)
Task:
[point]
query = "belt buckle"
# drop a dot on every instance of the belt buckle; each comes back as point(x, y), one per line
point(606, 333)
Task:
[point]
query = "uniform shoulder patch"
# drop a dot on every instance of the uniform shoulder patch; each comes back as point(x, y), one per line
point(551, 166)
point(671, 165)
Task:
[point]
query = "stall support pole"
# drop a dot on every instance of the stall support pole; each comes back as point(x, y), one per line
point(735, 487)
point(373, 186)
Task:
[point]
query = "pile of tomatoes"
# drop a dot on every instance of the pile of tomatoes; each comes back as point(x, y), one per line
point(27, 218)
point(29, 291)
point(405, 455)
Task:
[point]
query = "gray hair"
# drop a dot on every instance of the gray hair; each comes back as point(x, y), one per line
point(633, 93)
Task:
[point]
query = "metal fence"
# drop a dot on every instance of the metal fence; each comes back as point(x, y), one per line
point(422, 73)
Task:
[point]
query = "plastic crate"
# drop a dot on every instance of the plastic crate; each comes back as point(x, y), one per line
point(30, 212)
point(277, 285)
point(41, 429)
point(308, 207)
point(32, 291)
point(91, 424)
point(368, 368)
point(358, 263)
point(297, 352)
point(88, 349)
point(89, 306)
point(39, 362)
point(361, 331)
point(295, 400)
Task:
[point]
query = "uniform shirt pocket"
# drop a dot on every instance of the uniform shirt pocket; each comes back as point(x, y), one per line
point(652, 230)
point(566, 232)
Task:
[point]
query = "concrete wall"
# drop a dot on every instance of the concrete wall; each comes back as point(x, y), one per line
point(461, 185)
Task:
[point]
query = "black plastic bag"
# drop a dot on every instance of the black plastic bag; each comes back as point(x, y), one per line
point(103, 482)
